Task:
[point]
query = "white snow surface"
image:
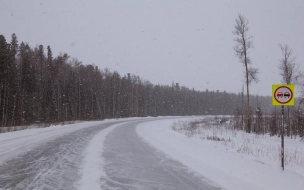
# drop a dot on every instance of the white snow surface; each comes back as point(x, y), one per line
point(17, 142)
point(227, 168)
point(92, 169)
point(220, 165)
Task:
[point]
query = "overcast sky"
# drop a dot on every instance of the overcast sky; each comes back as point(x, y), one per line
point(189, 42)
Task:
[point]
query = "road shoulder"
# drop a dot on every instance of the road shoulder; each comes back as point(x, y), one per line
point(229, 170)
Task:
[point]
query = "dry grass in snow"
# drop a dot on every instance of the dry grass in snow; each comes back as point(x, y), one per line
point(267, 149)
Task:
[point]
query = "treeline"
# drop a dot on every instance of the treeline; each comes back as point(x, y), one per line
point(36, 87)
point(271, 123)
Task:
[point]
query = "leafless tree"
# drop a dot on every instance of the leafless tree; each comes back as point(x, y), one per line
point(288, 68)
point(243, 44)
point(289, 71)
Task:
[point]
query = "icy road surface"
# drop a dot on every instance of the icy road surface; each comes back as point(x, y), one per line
point(49, 160)
point(131, 163)
point(90, 156)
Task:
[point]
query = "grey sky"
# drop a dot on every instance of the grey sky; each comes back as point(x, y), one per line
point(189, 42)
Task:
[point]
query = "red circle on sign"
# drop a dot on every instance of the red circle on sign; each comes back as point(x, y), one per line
point(275, 97)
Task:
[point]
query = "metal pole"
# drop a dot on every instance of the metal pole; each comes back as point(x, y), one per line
point(282, 137)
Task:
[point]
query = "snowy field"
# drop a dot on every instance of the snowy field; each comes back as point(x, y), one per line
point(231, 159)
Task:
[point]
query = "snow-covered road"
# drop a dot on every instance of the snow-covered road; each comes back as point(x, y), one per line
point(45, 160)
point(91, 155)
point(132, 153)
point(131, 163)
point(48, 158)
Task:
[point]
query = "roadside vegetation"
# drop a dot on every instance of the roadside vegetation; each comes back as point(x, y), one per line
point(223, 132)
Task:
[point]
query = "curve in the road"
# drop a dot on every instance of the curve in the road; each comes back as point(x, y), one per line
point(131, 163)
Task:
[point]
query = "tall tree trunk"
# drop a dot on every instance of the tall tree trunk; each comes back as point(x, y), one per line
point(0, 99)
point(58, 102)
point(248, 102)
point(113, 97)
point(13, 112)
point(92, 104)
point(242, 122)
point(79, 99)
point(99, 107)
point(3, 108)
point(6, 107)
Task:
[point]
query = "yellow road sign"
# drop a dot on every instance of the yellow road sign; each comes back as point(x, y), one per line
point(283, 95)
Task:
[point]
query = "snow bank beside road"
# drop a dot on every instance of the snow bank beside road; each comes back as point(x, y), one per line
point(18, 142)
point(230, 170)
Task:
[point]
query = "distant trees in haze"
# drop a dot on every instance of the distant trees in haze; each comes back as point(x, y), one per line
point(38, 87)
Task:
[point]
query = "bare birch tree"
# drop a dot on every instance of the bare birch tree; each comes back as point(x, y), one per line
point(288, 68)
point(243, 44)
point(289, 72)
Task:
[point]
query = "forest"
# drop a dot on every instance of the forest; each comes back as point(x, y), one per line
point(38, 87)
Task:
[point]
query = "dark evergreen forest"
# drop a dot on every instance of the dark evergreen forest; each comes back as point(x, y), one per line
point(38, 87)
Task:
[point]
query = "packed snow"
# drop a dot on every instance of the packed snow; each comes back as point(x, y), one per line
point(236, 160)
point(57, 157)
point(92, 169)
point(231, 159)
point(131, 163)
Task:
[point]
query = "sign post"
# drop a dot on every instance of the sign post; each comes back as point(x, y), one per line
point(282, 139)
point(282, 95)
